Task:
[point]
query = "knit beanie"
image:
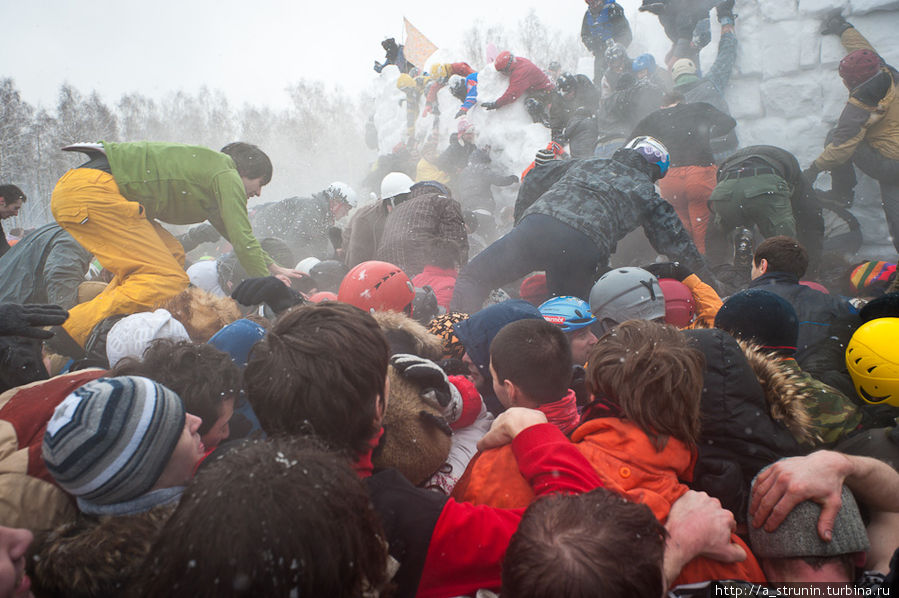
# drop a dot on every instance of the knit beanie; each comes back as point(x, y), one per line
point(872, 278)
point(110, 440)
point(442, 326)
point(798, 536)
point(132, 335)
point(762, 317)
point(533, 289)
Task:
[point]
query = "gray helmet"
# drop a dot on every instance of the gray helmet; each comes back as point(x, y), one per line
point(625, 294)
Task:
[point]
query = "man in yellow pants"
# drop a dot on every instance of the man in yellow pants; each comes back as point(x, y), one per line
point(111, 205)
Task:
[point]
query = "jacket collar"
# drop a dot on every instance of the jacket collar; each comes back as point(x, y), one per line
point(774, 277)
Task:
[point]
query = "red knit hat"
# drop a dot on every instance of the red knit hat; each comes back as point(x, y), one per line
point(859, 66)
point(534, 290)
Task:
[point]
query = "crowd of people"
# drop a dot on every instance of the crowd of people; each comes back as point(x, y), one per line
point(426, 394)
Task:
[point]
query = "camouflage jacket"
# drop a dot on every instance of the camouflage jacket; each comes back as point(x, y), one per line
point(606, 200)
point(833, 414)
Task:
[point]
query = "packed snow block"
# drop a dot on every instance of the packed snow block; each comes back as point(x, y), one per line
point(752, 39)
point(780, 48)
point(809, 43)
point(790, 96)
point(744, 99)
point(777, 10)
point(819, 8)
point(866, 6)
point(832, 51)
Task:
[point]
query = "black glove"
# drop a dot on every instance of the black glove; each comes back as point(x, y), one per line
point(615, 11)
point(725, 10)
point(25, 320)
point(436, 387)
point(489, 105)
point(205, 233)
point(378, 66)
point(543, 156)
point(461, 113)
point(266, 289)
point(510, 180)
point(811, 173)
point(674, 270)
point(834, 24)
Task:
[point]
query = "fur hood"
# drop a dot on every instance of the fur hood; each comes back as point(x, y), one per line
point(96, 557)
point(405, 335)
point(784, 393)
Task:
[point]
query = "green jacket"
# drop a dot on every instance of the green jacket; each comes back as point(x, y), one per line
point(186, 184)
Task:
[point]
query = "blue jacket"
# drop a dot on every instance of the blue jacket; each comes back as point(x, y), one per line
point(471, 98)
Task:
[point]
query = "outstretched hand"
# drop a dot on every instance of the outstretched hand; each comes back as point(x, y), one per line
point(818, 477)
point(26, 320)
point(702, 527)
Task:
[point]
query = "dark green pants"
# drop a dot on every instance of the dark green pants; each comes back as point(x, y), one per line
point(762, 200)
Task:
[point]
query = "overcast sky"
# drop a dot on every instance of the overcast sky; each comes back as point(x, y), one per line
point(250, 49)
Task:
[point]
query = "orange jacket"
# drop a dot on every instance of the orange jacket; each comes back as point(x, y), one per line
point(629, 464)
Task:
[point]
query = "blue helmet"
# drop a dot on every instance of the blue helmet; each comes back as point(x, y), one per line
point(568, 313)
point(644, 62)
point(652, 150)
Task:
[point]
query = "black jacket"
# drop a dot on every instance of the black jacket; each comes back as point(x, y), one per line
point(738, 437)
point(817, 311)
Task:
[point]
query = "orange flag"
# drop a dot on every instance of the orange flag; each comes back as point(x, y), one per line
point(417, 48)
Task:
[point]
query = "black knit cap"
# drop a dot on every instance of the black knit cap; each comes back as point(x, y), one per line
point(761, 317)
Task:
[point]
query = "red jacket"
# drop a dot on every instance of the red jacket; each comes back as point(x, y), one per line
point(525, 76)
point(443, 281)
point(449, 548)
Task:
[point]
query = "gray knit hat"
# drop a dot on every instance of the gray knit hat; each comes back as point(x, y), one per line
point(798, 535)
point(110, 440)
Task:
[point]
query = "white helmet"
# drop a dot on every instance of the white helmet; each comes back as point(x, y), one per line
point(623, 294)
point(395, 183)
point(305, 265)
point(344, 191)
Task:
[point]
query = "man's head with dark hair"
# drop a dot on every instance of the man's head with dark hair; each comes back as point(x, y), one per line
point(530, 362)
point(593, 544)
point(206, 379)
point(321, 369)
point(780, 254)
point(11, 199)
point(251, 162)
point(650, 372)
point(270, 518)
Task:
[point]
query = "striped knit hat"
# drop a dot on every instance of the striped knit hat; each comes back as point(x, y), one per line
point(110, 440)
point(872, 277)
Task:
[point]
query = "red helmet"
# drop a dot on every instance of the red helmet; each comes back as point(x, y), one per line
point(504, 61)
point(377, 286)
point(322, 296)
point(859, 66)
point(679, 306)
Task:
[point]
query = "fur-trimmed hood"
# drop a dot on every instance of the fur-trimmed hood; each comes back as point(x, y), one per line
point(96, 557)
point(405, 335)
point(742, 429)
point(785, 393)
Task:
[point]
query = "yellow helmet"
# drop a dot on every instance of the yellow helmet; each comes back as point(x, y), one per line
point(872, 358)
point(440, 71)
point(405, 82)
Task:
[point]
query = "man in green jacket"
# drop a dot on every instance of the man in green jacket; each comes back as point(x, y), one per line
point(111, 205)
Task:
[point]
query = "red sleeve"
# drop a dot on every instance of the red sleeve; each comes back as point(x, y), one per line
point(469, 542)
point(551, 463)
point(518, 84)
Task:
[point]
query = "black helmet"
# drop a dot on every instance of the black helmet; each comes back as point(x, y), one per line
point(566, 83)
point(329, 274)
